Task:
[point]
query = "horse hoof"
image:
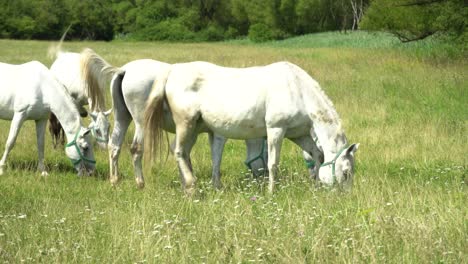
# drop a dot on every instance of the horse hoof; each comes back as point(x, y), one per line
point(44, 174)
point(217, 186)
point(114, 181)
point(140, 184)
point(190, 191)
point(2, 171)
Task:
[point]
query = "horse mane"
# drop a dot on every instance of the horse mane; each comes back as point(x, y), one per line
point(329, 115)
point(56, 131)
point(55, 127)
point(95, 72)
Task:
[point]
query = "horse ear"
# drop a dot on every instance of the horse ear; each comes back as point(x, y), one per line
point(85, 132)
point(108, 112)
point(352, 149)
point(93, 115)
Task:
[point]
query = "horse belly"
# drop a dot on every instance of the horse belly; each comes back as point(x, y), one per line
point(6, 106)
point(235, 124)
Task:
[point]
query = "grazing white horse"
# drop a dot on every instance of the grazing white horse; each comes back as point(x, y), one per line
point(30, 92)
point(130, 89)
point(278, 101)
point(66, 69)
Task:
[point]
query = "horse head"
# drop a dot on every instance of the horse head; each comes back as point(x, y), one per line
point(340, 170)
point(99, 127)
point(80, 152)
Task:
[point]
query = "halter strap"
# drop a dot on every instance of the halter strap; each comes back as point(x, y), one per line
point(333, 161)
point(248, 163)
point(95, 135)
point(82, 157)
point(311, 163)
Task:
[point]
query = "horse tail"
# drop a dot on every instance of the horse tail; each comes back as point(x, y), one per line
point(95, 72)
point(56, 130)
point(56, 49)
point(154, 117)
point(118, 101)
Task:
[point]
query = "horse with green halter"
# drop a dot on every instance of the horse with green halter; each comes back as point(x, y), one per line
point(276, 101)
point(36, 99)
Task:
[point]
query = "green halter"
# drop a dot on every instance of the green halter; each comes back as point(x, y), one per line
point(76, 161)
point(311, 164)
point(260, 156)
point(95, 135)
point(333, 161)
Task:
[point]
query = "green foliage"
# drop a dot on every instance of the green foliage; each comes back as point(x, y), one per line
point(171, 29)
point(199, 20)
point(214, 20)
point(260, 33)
point(412, 21)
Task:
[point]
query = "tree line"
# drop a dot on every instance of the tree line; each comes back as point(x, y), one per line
point(213, 20)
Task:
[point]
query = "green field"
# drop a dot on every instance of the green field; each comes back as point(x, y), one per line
point(405, 104)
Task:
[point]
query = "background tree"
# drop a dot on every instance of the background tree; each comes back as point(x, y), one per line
point(413, 20)
point(211, 20)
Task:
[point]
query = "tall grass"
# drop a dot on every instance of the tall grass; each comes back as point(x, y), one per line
point(408, 204)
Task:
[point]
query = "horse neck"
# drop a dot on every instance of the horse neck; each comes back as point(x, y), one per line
point(327, 126)
point(331, 137)
point(63, 107)
point(326, 122)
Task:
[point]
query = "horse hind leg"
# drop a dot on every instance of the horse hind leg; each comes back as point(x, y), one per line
point(137, 155)
point(275, 139)
point(185, 134)
point(190, 145)
point(121, 123)
point(40, 133)
point(15, 127)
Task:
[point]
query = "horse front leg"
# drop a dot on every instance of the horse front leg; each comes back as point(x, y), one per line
point(115, 144)
point(16, 123)
point(217, 143)
point(275, 137)
point(40, 133)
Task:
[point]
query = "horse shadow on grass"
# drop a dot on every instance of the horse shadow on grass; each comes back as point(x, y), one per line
point(58, 166)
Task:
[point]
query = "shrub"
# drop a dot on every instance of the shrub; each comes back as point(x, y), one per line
point(212, 33)
point(170, 29)
point(260, 33)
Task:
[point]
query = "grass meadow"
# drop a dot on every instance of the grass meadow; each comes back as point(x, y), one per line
point(406, 104)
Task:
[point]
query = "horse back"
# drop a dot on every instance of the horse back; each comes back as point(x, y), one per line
point(237, 102)
point(137, 83)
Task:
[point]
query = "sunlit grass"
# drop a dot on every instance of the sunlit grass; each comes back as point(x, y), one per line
point(408, 204)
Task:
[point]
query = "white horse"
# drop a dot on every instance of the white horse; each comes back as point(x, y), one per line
point(30, 92)
point(66, 69)
point(130, 89)
point(277, 101)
